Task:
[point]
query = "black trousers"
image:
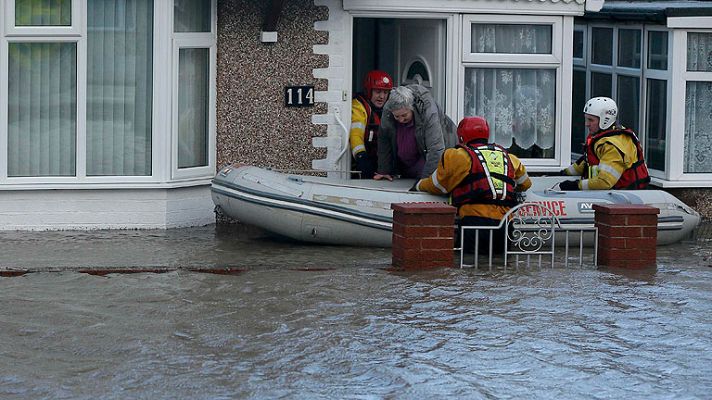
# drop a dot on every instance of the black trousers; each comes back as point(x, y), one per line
point(498, 235)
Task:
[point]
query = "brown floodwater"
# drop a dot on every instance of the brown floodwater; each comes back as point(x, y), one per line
point(296, 321)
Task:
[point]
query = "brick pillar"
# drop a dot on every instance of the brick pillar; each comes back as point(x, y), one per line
point(627, 235)
point(423, 235)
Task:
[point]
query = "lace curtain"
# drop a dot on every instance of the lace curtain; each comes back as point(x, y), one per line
point(519, 103)
point(698, 113)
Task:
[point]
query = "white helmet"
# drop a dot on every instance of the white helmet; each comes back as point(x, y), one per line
point(604, 108)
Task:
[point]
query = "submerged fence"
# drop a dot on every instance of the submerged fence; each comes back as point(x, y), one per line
point(533, 235)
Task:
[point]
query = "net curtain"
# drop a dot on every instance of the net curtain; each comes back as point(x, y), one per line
point(519, 103)
point(698, 112)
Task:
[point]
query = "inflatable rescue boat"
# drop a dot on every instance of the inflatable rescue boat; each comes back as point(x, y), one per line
point(357, 212)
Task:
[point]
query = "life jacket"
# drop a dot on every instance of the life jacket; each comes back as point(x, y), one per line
point(373, 123)
point(635, 177)
point(491, 178)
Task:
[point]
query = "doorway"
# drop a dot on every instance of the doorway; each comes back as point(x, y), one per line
point(410, 50)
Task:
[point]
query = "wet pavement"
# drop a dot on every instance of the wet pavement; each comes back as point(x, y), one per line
point(222, 248)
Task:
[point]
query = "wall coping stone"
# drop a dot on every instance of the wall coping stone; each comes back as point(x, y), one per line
point(423, 208)
point(627, 209)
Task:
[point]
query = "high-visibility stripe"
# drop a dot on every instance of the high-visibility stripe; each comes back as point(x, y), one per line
point(522, 179)
point(359, 148)
point(584, 184)
point(610, 170)
point(358, 125)
point(436, 183)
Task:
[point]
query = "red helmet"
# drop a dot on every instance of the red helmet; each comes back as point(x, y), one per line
point(472, 128)
point(377, 80)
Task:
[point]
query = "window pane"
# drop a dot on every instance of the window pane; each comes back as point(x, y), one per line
point(655, 141)
point(519, 104)
point(629, 101)
point(43, 12)
point(601, 84)
point(657, 50)
point(699, 51)
point(629, 42)
point(578, 44)
point(193, 85)
point(602, 46)
point(511, 39)
point(698, 127)
point(578, 129)
point(192, 16)
point(119, 87)
point(42, 109)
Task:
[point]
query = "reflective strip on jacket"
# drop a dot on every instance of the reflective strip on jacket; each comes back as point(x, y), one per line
point(615, 157)
point(365, 122)
point(454, 168)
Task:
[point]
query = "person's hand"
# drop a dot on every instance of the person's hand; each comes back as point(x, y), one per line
point(563, 173)
point(569, 185)
point(378, 177)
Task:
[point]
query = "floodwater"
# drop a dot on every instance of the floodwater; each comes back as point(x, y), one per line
point(295, 321)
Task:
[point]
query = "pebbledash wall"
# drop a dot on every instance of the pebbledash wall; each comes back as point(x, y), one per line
point(253, 124)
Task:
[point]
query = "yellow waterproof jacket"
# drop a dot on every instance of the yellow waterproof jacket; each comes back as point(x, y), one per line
point(359, 120)
point(616, 154)
point(454, 166)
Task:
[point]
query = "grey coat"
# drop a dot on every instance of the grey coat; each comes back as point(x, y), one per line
point(434, 132)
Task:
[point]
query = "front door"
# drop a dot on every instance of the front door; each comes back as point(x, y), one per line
point(421, 54)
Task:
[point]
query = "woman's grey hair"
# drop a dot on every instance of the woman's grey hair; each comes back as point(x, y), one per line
point(400, 97)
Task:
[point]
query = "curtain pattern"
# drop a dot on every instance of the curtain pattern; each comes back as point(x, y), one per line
point(699, 52)
point(191, 16)
point(698, 113)
point(519, 104)
point(193, 89)
point(511, 39)
point(42, 104)
point(43, 12)
point(698, 127)
point(119, 87)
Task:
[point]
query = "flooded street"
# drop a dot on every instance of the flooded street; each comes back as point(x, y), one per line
point(328, 322)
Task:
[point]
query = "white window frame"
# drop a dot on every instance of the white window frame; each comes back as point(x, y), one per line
point(558, 61)
point(680, 78)
point(163, 135)
point(194, 40)
point(553, 58)
point(80, 133)
point(78, 22)
point(658, 74)
point(583, 61)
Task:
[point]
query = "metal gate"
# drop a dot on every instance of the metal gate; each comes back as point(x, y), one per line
point(534, 235)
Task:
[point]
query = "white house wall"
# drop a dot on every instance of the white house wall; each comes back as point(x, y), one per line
point(38, 210)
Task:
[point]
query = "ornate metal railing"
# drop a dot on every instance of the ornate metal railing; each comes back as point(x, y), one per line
point(532, 232)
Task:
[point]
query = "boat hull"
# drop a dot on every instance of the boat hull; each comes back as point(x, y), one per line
point(358, 212)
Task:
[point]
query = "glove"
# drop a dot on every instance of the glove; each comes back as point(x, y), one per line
point(363, 164)
point(563, 173)
point(414, 188)
point(569, 185)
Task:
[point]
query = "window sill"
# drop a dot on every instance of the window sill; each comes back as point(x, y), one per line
point(106, 186)
point(691, 184)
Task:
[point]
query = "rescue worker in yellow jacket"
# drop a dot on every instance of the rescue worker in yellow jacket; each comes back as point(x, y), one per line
point(612, 156)
point(482, 179)
point(366, 111)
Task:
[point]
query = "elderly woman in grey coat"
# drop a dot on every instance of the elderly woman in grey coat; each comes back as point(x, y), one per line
point(413, 135)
